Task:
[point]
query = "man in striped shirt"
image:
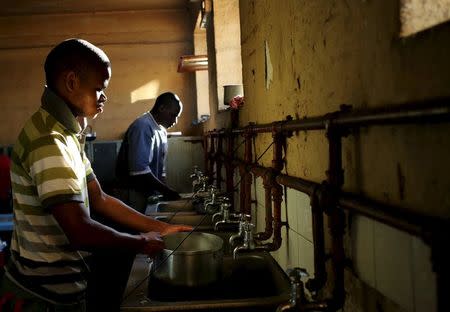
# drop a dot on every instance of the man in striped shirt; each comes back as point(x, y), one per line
point(54, 189)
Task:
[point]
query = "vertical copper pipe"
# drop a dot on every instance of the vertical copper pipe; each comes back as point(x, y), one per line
point(312, 189)
point(248, 159)
point(320, 272)
point(277, 190)
point(267, 182)
point(211, 157)
point(242, 187)
point(206, 153)
point(229, 169)
point(335, 180)
point(218, 158)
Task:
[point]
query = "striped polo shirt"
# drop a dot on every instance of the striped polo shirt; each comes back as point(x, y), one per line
point(48, 167)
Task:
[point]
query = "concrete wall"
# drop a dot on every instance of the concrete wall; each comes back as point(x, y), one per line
point(306, 58)
point(143, 46)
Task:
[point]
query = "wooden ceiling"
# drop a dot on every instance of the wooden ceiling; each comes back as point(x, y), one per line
point(31, 7)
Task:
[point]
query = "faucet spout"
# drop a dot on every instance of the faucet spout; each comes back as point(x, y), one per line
point(235, 237)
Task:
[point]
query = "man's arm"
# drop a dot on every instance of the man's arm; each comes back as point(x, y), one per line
point(115, 210)
point(148, 181)
point(85, 233)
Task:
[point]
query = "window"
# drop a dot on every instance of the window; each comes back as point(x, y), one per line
point(418, 15)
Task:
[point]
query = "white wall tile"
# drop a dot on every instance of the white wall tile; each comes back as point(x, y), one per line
point(293, 210)
point(281, 255)
point(306, 255)
point(305, 217)
point(293, 247)
point(393, 265)
point(425, 298)
point(363, 248)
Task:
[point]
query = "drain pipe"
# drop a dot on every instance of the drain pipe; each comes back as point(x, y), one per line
point(247, 177)
point(206, 152)
point(279, 140)
point(211, 156)
point(229, 169)
point(268, 180)
point(336, 216)
point(312, 189)
point(218, 158)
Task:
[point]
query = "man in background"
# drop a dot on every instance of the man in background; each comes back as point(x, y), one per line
point(142, 155)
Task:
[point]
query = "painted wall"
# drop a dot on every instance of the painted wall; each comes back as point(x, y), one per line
point(143, 46)
point(306, 58)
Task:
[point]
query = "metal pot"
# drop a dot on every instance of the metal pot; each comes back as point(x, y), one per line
point(197, 260)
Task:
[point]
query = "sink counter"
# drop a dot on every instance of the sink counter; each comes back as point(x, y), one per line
point(253, 282)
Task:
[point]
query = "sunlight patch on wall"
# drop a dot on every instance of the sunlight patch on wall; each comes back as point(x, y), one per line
point(149, 91)
point(418, 15)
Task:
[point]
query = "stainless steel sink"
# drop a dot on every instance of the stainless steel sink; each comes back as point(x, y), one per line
point(252, 282)
point(175, 206)
point(187, 218)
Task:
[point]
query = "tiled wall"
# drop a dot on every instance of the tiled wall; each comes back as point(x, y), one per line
point(394, 263)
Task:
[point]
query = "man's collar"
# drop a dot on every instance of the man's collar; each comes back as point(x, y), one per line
point(56, 107)
point(154, 120)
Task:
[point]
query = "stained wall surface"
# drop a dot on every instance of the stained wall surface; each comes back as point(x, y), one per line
point(306, 58)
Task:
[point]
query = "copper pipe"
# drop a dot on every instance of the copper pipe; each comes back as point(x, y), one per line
point(229, 169)
point(298, 184)
point(242, 193)
point(336, 216)
point(219, 162)
point(312, 189)
point(206, 153)
point(277, 190)
point(268, 180)
point(211, 159)
point(247, 178)
point(432, 110)
point(407, 221)
point(277, 196)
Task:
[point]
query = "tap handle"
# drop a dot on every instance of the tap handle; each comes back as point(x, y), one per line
point(246, 217)
point(222, 200)
point(297, 273)
point(225, 205)
point(247, 226)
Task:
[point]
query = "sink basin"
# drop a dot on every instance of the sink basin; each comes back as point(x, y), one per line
point(252, 282)
point(249, 276)
point(186, 218)
point(175, 205)
point(201, 222)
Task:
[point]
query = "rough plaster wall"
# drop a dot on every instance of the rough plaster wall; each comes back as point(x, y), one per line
point(327, 53)
point(143, 46)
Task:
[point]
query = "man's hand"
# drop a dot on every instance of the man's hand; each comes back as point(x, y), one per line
point(176, 228)
point(153, 243)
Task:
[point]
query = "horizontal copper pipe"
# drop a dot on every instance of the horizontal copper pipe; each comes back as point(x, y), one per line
point(436, 110)
point(410, 222)
point(298, 184)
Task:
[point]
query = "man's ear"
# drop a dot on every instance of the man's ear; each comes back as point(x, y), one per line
point(71, 81)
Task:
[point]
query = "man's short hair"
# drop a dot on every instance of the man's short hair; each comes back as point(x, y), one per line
point(73, 54)
point(166, 99)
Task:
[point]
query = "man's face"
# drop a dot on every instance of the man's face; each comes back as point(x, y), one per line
point(169, 116)
point(88, 98)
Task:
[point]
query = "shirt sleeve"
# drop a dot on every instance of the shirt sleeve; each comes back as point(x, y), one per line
point(89, 171)
point(140, 145)
point(57, 171)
